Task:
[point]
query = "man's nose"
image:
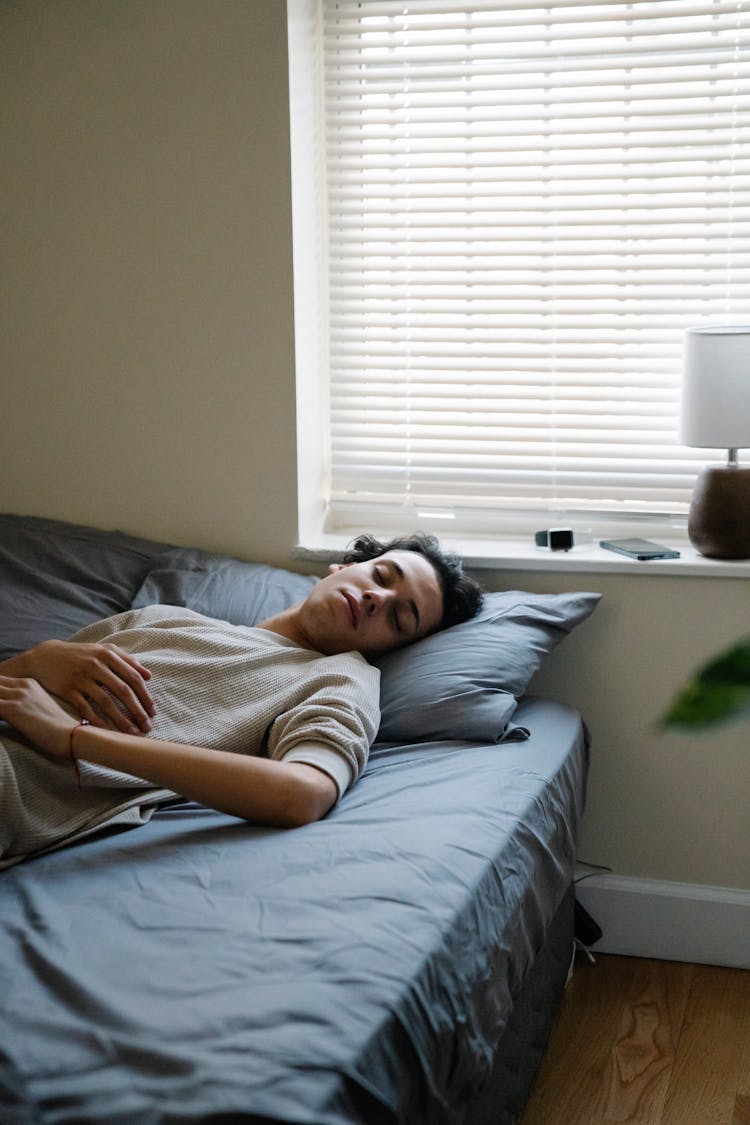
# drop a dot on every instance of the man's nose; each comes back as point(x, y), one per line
point(376, 599)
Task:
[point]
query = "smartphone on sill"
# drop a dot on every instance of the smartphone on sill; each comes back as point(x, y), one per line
point(642, 549)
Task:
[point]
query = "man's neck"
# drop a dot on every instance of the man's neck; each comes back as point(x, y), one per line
point(287, 624)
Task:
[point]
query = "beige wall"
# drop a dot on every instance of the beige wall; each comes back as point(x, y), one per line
point(148, 383)
point(147, 335)
point(662, 806)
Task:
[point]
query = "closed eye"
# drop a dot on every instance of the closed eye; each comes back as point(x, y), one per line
point(384, 575)
point(412, 604)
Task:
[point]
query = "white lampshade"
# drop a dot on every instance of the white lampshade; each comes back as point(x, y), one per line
point(716, 387)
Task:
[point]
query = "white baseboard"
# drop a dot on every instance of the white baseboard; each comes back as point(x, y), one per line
point(669, 921)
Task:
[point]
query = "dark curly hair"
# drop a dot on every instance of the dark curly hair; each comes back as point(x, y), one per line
point(462, 596)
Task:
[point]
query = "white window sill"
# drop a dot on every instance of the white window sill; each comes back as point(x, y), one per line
point(520, 554)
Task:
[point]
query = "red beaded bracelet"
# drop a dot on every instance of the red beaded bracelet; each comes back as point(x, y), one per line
point(71, 755)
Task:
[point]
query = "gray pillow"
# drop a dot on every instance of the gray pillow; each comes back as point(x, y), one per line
point(221, 587)
point(464, 682)
point(56, 577)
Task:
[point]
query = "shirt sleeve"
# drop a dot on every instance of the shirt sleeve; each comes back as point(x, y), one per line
point(334, 726)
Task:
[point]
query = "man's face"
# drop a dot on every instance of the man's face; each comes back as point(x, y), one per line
point(375, 606)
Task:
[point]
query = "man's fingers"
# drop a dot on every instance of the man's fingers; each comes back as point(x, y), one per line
point(115, 708)
point(85, 710)
point(128, 657)
point(127, 685)
point(120, 706)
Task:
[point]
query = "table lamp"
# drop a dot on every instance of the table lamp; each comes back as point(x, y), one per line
point(716, 415)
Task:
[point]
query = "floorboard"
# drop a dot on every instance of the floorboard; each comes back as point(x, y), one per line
point(650, 1043)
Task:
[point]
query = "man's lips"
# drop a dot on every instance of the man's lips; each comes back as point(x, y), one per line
point(353, 607)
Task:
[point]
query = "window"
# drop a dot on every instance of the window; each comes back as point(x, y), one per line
point(506, 214)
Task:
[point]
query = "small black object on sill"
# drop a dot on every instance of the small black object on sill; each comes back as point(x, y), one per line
point(555, 538)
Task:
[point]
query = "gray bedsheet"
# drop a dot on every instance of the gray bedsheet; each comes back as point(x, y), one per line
point(358, 970)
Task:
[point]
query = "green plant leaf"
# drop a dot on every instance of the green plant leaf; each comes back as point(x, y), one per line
point(719, 691)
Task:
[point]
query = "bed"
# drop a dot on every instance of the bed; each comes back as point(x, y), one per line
point(400, 961)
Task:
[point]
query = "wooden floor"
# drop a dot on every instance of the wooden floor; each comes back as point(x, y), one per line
point(651, 1042)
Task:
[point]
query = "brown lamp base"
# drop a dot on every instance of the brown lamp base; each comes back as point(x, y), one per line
point(719, 520)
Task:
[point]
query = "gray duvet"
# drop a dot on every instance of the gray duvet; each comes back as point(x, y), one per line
point(360, 969)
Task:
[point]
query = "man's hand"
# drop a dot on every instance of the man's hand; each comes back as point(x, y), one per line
point(93, 678)
point(31, 710)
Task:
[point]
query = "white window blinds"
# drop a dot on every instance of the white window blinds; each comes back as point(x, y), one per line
point(525, 207)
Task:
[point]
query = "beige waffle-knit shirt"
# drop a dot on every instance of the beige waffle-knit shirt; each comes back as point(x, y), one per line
point(229, 687)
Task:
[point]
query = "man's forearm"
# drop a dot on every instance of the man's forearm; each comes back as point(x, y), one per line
point(257, 789)
point(285, 794)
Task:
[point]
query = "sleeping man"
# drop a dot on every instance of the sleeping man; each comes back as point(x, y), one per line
point(270, 723)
